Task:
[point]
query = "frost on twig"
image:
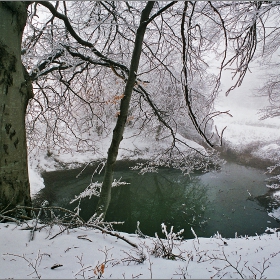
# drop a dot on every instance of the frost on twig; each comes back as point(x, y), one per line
point(36, 220)
point(139, 232)
point(187, 162)
point(49, 216)
point(96, 171)
point(193, 232)
point(165, 247)
point(94, 189)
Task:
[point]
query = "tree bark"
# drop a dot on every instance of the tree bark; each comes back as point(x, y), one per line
point(105, 195)
point(15, 91)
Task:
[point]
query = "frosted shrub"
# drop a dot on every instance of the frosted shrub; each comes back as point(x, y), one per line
point(165, 247)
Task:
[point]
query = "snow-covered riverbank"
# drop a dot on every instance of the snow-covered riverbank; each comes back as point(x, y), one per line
point(82, 254)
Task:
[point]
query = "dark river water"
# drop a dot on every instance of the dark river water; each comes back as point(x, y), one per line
point(233, 200)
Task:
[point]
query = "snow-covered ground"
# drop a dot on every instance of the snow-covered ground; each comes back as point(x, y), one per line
point(245, 128)
point(83, 254)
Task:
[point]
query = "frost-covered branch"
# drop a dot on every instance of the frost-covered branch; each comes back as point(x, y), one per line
point(94, 189)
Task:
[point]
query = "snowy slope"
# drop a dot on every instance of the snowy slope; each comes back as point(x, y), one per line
point(83, 254)
point(245, 126)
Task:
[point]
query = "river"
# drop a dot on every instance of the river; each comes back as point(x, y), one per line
point(233, 201)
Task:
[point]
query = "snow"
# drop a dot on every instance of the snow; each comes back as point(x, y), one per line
point(36, 180)
point(241, 134)
point(275, 213)
point(269, 151)
point(245, 128)
point(87, 253)
point(190, 143)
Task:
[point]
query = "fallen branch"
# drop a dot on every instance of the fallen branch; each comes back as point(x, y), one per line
point(113, 234)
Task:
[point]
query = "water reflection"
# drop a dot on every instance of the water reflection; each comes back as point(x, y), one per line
point(225, 201)
point(156, 198)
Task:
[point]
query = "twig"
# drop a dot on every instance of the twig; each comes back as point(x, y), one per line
point(113, 234)
point(54, 208)
point(141, 257)
point(83, 237)
point(30, 263)
point(56, 266)
point(44, 204)
point(58, 233)
point(9, 219)
point(150, 267)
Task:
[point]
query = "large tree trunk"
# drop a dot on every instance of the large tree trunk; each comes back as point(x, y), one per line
point(15, 91)
point(105, 195)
